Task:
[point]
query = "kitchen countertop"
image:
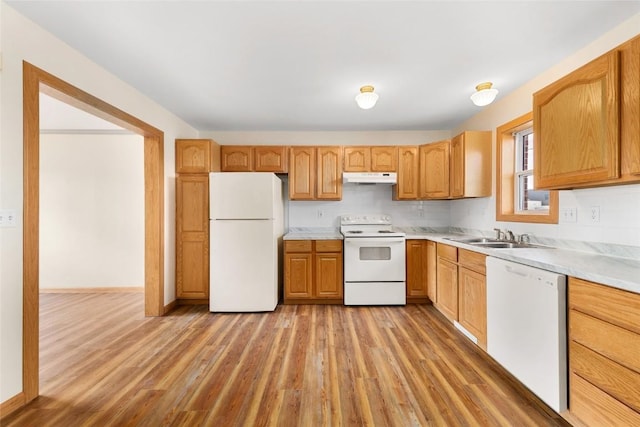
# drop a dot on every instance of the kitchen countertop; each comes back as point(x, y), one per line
point(617, 272)
point(313, 233)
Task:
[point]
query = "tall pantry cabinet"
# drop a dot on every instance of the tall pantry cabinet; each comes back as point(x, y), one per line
point(195, 158)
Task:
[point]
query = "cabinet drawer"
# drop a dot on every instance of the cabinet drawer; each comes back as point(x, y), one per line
point(297, 245)
point(328, 245)
point(614, 379)
point(448, 252)
point(616, 343)
point(595, 407)
point(615, 306)
point(472, 260)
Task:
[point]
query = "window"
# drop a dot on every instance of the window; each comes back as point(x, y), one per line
point(517, 200)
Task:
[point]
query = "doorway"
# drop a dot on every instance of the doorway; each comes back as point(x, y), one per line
point(35, 81)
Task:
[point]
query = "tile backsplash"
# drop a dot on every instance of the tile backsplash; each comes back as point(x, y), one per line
point(368, 199)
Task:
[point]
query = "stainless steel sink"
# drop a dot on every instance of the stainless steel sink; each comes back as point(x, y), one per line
point(506, 245)
point(473, 240)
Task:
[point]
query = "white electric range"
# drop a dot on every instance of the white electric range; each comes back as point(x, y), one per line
point(374, 261)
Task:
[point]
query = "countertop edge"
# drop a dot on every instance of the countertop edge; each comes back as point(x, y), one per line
point(585, 265)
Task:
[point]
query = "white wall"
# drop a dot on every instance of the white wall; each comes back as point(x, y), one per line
point(619, 206)
point(91, 210)
point(22, 40)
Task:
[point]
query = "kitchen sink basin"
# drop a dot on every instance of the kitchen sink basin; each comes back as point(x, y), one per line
point(473, 240)
point(505, 245)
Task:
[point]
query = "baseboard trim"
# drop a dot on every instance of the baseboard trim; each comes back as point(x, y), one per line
point(12, 404)
point(108, 290)
point(169, 307)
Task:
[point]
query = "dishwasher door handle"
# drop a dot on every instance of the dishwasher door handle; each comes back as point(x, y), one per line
point(515, 271)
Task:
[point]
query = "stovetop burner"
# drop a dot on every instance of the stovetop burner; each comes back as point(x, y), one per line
point(368, 226)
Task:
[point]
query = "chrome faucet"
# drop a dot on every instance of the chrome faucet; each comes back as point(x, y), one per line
point(525, 238)
point(499, 234)
point(509, 236)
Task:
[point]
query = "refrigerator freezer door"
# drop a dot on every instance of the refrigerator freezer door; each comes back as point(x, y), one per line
point(240, 195)
point(244, 266)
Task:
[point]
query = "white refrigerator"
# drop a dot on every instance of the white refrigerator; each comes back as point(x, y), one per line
point(246, 227)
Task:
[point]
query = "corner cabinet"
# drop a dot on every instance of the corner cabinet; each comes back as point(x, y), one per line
point(586, 124)
point(313, 272)
point(417, 271)
point(470, 165)
point(604, 354)
point(408, 172)
point(315, 173)
point(434, 170)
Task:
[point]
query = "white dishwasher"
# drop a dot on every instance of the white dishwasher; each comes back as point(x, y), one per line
point(527, 327)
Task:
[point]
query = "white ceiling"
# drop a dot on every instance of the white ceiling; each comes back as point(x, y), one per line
point(297, 65)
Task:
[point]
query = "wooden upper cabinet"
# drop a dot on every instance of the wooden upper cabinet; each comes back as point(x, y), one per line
point(370, 159)
point(329, 173)
point(357, 159)
point(456, 167)
point(384, 159)
point(302, 176)
point(193, 155)
point(576, 126)
point(470, 165)
point(630, 110)
point(236, 158)
point(434, 170)
point(270, 158)
point(408, 170)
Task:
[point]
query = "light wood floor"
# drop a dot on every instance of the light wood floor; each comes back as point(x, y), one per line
point(103, 363)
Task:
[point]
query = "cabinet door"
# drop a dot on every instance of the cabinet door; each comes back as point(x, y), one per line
point(193, 155)
point(576, 126)
point(408, 167)
point(447, 288)
point(434, 173)
point(328, 283)
point(270, 159)
point(432, 265)
point(457, 167)
point(357, 159)
point(384, 159)
point(472, 300)
point(416, 259)
point(298, 275)
point(236, 158)
point(329, 173)
point(302, 173)
point(192, 236)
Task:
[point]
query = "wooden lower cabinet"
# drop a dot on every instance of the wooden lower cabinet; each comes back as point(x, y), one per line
point(461, 289)
point(313, 272)
point(604, 354)
point(432, 267)
point(192, 237)
point(417, 271)
point(447, 288)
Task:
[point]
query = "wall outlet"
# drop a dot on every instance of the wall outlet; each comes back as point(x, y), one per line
point(8, 218)
point(569, 215)
point(594, 214)
point(320, 213)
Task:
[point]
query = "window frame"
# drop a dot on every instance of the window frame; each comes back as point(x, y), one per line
point(506, 172)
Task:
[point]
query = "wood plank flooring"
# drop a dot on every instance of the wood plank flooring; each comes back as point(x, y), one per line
point(104, 364)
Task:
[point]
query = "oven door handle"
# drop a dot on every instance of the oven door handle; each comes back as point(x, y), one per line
point(374, 241)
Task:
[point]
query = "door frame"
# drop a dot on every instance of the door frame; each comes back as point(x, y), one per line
point(36, 80)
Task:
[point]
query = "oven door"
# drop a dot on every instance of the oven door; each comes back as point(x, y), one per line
point(374, 259)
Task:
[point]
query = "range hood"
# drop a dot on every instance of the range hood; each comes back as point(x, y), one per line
point(370, 177)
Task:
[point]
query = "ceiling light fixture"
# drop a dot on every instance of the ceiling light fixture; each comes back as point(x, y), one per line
point(484, 94)
point(366, 99)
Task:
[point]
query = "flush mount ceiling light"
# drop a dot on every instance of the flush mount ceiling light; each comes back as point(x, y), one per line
point(366, 99)
point(484, 94)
